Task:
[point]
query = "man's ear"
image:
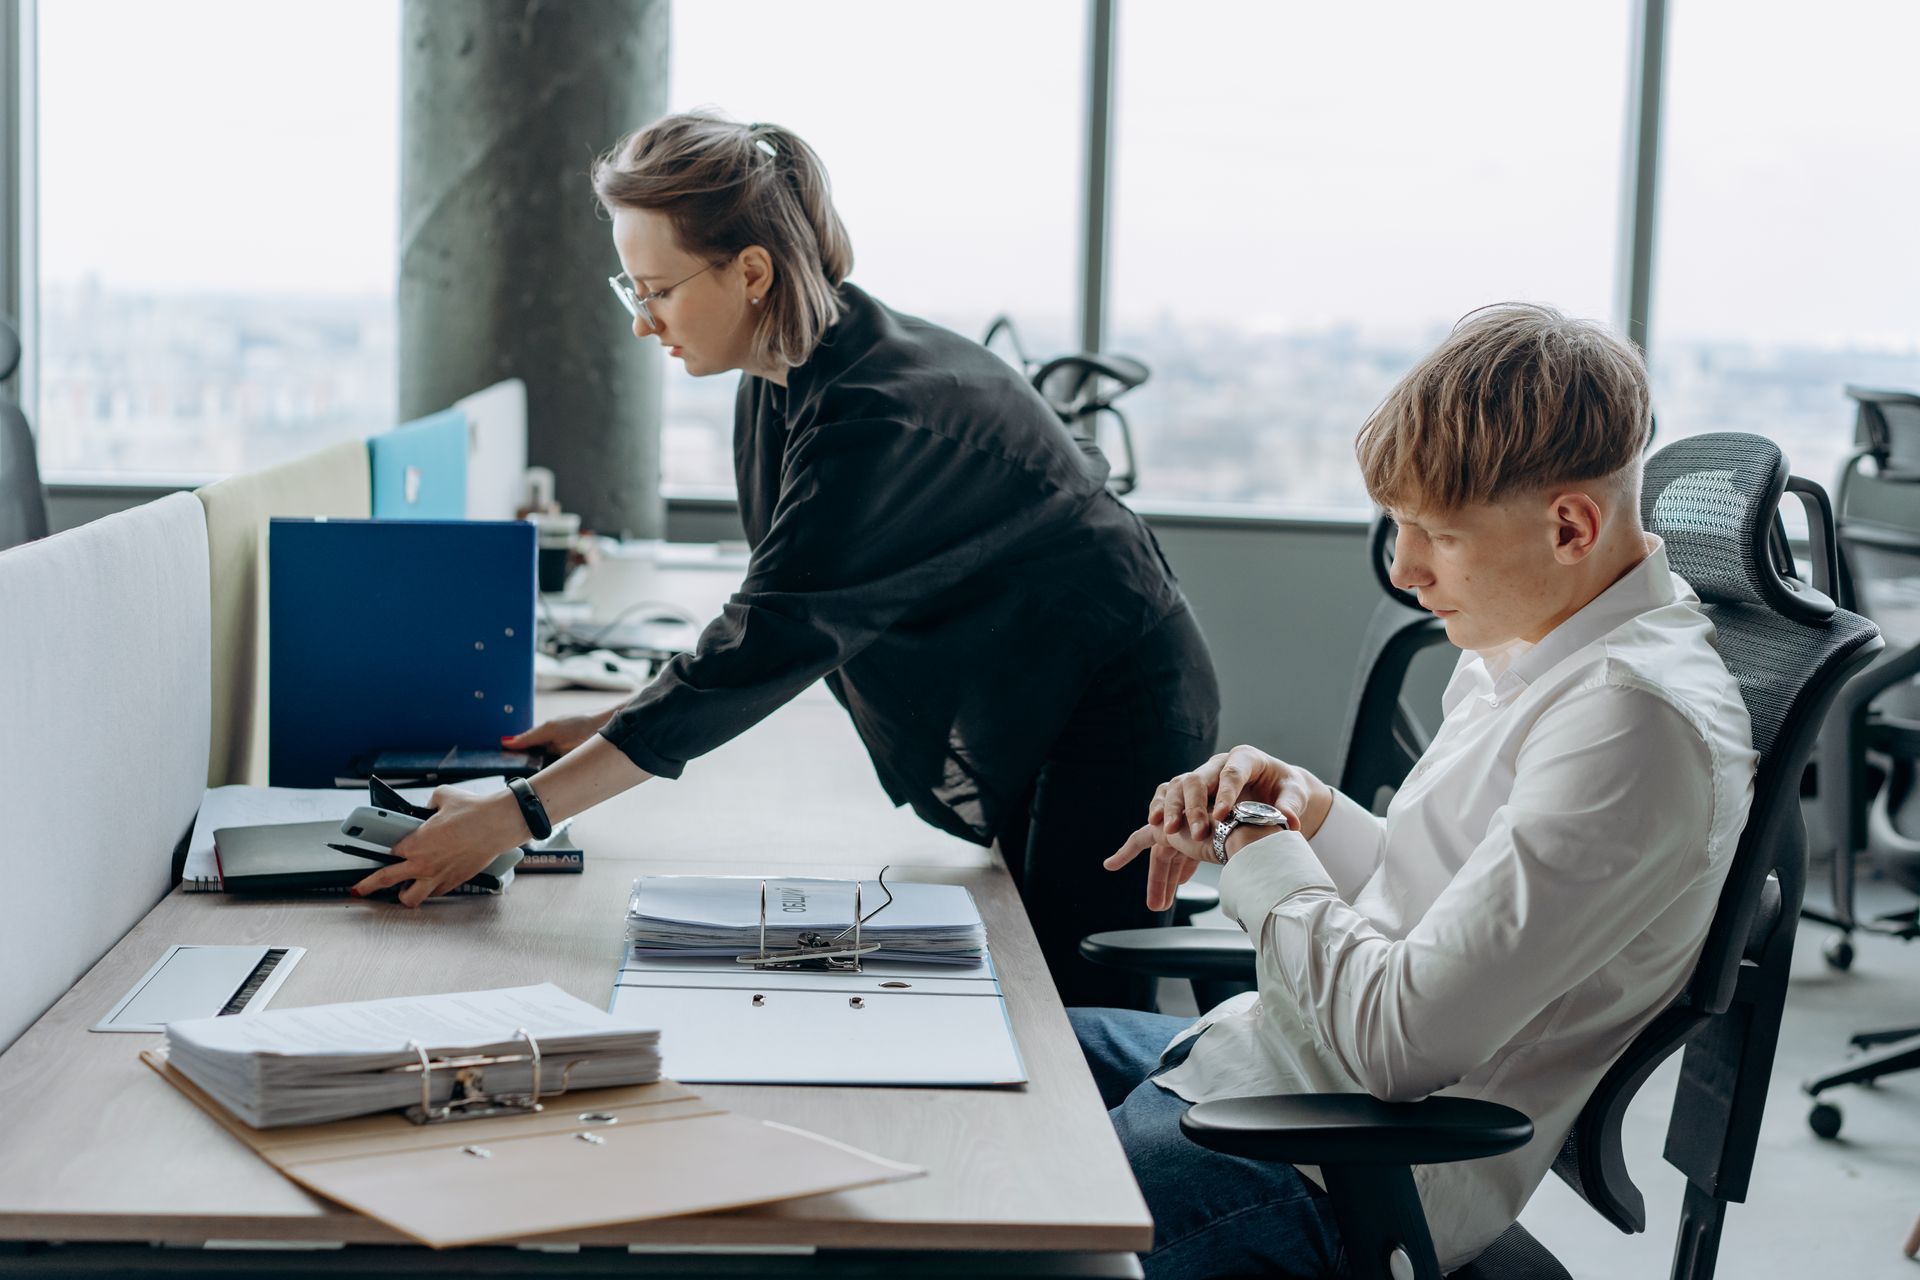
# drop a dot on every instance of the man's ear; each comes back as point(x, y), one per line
point(756, 271)
point(1577, 521)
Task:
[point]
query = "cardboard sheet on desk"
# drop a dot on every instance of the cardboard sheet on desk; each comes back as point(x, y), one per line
point(668, 1153)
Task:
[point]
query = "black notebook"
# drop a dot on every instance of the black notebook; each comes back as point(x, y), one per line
point(293, 857)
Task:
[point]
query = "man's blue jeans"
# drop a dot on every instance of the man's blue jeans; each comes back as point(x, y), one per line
point(1213, 1214)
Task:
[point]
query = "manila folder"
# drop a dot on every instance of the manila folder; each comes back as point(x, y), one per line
point(664, 1152)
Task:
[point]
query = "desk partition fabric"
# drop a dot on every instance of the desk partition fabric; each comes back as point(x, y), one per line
point(104, 684)
point(332, 482)
point(420, 469)
point(395, 634)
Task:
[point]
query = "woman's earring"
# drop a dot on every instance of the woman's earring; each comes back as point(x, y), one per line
point(754, 301)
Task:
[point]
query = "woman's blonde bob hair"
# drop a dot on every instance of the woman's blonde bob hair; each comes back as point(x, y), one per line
point(1519, 397)
point(726, 186)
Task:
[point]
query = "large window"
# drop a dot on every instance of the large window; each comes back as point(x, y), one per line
point(1305, 199)
point(1787, 264)
point(952, 133)
point(1308, 197)
point(218, 198)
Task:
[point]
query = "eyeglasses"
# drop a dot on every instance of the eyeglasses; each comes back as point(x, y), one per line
point(635, 302)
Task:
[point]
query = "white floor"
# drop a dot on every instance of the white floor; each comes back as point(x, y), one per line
point(1838, 1209)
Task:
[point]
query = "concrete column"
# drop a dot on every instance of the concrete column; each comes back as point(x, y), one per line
point(503, 254)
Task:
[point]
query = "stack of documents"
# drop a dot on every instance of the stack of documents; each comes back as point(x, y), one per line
point(327, 1062)
point(722, 916)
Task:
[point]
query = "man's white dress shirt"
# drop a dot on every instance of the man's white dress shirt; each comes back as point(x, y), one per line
point(1537, 892)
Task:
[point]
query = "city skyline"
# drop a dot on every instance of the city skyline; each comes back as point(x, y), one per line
point(1252, 419)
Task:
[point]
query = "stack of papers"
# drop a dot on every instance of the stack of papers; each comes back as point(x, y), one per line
point(720, 916)
point(327, 1062)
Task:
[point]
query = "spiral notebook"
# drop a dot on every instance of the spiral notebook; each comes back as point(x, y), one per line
point(244, 806)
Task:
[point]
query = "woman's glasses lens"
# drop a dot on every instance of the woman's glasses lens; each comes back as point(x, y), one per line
point(630, 298)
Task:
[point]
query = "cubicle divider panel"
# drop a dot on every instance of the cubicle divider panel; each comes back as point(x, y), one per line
point(104, 689)
point(333, 482)
point(496, 449)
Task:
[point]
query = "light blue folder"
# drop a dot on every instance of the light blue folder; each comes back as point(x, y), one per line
point(420, 469)
point(394, 635)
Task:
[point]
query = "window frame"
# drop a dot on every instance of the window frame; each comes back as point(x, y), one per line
point(19, 192)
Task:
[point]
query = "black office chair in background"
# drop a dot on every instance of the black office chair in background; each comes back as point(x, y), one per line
point(1383, 736)
point(1869, 763)
point(1081, 388)
point(23, 501)
point(1715, 500)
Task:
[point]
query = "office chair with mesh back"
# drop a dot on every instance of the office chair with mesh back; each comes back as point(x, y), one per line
point(1384, 736)
point(23, 502)
point(1714, 499)
point(1080, 388)
point(1873, 734)
point(1870, 752)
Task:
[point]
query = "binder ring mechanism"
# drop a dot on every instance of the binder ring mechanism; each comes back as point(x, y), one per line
point(469, 1099)
point(817, 952)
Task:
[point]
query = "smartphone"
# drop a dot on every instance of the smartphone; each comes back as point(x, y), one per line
point(383, 827)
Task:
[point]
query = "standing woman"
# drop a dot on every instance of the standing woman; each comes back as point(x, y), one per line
point(927, 538)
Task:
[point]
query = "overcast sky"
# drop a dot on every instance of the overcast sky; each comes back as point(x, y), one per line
point(1385, 164)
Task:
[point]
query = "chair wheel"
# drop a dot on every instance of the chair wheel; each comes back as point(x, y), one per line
point(1839, 953)
point(1824, 1119)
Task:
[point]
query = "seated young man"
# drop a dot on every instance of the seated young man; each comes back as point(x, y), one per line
point(1543, 881)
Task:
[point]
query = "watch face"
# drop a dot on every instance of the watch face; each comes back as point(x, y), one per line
point(1254, 813)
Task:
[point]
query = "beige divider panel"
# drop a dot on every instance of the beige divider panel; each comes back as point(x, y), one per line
point(104, 691)
point(333, 482)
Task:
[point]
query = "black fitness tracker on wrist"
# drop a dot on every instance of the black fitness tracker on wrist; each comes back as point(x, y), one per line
point(531, 809)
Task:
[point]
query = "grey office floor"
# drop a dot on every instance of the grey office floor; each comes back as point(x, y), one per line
point(1836, 1208)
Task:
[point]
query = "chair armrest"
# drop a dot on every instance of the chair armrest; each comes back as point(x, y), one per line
point(1191, 898)
point(1894, 736)
point(1224, 955)
point(1352, 1128)
point(1125, 370)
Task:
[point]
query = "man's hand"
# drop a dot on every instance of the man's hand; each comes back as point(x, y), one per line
point(1175, 857)
point(1179, 830)
point(557, 737)
point(464, 834)
point(1191, 803)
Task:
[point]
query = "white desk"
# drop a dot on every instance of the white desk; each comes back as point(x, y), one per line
point(97, 1148)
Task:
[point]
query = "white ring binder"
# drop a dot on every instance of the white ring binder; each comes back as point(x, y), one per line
point(817, 952)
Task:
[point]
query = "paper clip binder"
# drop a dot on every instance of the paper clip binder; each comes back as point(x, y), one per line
point(469, 1099)
point(817, 952)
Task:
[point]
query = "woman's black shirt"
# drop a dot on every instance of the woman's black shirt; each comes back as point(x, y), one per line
point(929, 539)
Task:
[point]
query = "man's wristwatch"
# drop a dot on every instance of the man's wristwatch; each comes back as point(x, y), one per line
point(1248, 813)
point(531, 809)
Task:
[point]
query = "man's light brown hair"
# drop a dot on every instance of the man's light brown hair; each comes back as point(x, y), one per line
point(1517, 399)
